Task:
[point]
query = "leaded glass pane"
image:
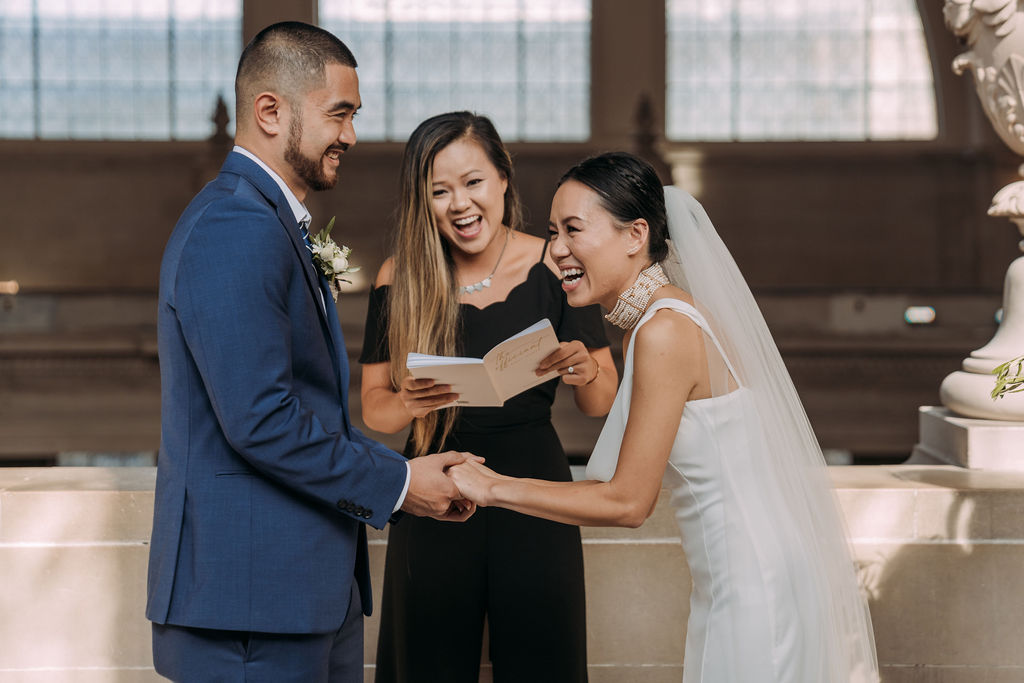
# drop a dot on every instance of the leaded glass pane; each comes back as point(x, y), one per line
point(797, 70)
point(523, 63)
point(16, 68)
point(116, 69)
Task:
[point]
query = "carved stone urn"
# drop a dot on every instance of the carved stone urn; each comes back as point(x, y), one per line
point(994, 31)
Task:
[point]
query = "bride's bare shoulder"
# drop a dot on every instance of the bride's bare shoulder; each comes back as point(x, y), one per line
point(668, 334)
point(668, 358)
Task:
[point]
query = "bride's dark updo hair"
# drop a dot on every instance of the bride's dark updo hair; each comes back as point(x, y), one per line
point(629, 189)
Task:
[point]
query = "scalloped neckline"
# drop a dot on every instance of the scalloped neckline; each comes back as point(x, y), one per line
point(511, 291)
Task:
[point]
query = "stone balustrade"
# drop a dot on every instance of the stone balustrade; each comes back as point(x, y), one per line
point(940, 552)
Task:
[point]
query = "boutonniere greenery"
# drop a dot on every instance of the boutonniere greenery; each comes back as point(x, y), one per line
point(331, 259)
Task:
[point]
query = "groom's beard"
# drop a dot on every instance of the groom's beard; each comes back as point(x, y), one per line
point(310, 170)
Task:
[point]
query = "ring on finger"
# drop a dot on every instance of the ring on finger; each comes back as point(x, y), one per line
point(571, 370)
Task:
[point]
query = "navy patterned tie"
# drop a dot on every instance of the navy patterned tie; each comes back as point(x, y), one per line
point(304, 231)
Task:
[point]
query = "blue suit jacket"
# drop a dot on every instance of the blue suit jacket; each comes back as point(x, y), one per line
point(263, 485)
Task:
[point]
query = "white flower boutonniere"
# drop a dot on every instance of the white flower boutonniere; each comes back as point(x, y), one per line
point(331, 259)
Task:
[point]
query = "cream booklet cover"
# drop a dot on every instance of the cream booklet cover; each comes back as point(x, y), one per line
point(505, 371)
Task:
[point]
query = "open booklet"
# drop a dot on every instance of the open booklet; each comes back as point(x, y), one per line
point(503, 372)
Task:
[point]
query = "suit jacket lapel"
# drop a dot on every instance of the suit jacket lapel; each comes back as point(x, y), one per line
point(340, 357)
point(245, 167)
point(320, 292)
point(248, 169)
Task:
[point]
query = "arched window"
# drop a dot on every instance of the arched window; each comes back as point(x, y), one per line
point(119, 69)
point(797, 70)
point(523, 63)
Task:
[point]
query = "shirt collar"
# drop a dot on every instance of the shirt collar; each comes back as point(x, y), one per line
point(300, 211)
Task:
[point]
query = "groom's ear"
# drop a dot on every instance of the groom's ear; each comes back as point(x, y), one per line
point(268, 112)
point(637, 233)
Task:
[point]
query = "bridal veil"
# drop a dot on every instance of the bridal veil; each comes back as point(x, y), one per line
point(795, 479)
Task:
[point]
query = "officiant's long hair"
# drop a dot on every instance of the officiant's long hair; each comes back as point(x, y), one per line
point(424, 302)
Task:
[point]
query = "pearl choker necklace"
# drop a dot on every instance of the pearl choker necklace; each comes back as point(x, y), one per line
point(632, 303)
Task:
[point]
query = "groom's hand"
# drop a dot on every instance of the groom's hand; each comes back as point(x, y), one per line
point(431, 493)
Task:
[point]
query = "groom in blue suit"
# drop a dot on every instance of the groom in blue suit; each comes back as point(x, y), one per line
point(258, 566)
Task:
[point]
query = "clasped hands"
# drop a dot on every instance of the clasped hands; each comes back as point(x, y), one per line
point(572, 360)
point(448, 486)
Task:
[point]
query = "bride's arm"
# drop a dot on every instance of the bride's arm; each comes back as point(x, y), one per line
point(669, 365)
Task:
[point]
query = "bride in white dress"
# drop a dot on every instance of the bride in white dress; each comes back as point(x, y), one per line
point(706, 409)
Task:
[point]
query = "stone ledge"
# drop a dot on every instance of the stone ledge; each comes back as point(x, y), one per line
point(82, 505)
point(931, 504)
point(939, 551)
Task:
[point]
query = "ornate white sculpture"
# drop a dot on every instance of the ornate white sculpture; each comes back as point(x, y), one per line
point(994, 31)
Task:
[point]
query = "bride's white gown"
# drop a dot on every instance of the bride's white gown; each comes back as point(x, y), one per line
point(756, 613)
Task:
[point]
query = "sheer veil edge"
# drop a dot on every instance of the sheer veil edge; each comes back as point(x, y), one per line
point(700, 263)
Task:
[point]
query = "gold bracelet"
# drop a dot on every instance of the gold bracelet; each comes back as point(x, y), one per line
point(587, 384)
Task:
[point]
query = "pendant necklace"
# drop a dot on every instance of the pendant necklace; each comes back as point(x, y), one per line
point(486, 282)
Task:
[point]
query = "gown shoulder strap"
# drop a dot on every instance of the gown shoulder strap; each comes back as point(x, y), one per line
point(693, 314)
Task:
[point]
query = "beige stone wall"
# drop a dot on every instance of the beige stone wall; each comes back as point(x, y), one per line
point(74, 545)
point(939, 551)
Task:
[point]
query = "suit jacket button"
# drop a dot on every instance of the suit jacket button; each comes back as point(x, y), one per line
point(368, 514)
point(341, 504)
point(350, 507)
point(359, 510)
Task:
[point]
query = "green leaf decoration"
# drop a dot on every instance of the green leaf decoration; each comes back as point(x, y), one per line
point(1009, 378)
point(326, 232)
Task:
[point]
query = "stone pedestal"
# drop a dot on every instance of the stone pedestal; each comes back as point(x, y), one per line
point(992, 32)
point(950, 439)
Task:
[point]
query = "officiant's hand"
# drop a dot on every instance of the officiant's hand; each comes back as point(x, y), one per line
point(421, 396)
point(431, 493)
point(573, 362)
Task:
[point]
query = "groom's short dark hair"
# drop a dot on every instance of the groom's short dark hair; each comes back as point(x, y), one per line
point(288, 58)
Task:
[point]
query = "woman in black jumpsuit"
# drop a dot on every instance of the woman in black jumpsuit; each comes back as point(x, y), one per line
point(524, 575)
